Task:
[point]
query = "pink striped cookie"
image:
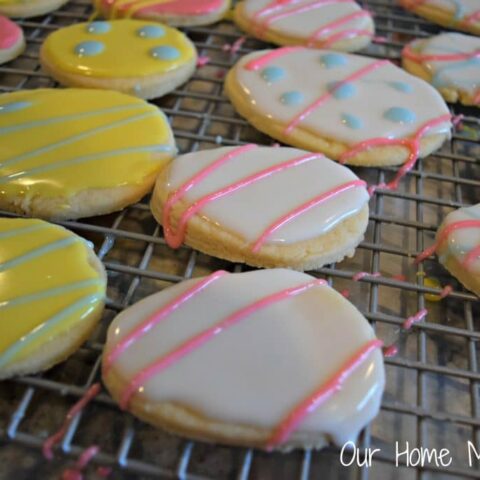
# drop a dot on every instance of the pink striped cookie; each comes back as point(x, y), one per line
point(12, 42)
point(246, 359)
point(172, 12)
point(335, 24)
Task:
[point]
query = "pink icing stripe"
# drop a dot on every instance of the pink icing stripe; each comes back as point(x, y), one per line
point(358, 276)
point(390, 351)
point(446, 291)
point(176, 239)
point(473, 17)
point(259, 62)
point(201, 338)
point(10, 33)
point(352, 32)
point(444, 234)
point(411, 54)
point(198, 177)
point(326, 96)
point(418, 317)
point(154, 319)
point(471, 256)
point(273, 6)
point(304, 208)
point(50, 442)
point(174, 7)
point(476, 99)
point(320, 396)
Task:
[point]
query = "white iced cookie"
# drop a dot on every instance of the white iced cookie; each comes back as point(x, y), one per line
point(30, 8)
point(458, 246)
point(265, 206)
point(259, 368)
point(336, 24)
point(12, 41)
point(459, 14)
point(450, 62)
point(354, 109)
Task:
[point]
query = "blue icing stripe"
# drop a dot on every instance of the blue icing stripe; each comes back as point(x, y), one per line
point(352, 121)
point(341, 90)
point(89, 48)
point(401, 87)
point(272, 74)
point(98, 27)
point(332, 60)
point(292, 98)
point(151, 31)
point(400, 115)
point(165, 52)
point(14, 107)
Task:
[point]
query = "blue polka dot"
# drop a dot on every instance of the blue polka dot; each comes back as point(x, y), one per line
point(98, 27)
point(14, 107)
point(400, 115)
point(151, 31)
point(292, 98)
point(342, 90)
point(273, 74)
point(165, 52)
point(352, 121)
point(89, 49)
point(401, 87)
point(332, 60)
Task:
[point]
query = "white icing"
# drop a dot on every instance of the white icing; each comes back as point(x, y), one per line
point(249, 211)
point(459, 8)
point(255, 372)
point(304, 24)
point(463, 74)
point(462, 241)
point(374, 96)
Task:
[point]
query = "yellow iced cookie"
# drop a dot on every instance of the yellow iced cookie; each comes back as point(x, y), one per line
point(75, 153)
point(144, 59)
point(47, 311)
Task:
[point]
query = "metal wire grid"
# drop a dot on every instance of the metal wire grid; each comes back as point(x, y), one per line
point(432, 396)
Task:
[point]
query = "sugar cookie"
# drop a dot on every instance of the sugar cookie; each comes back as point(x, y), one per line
point(30, 8)
point(335, 24)
point(355, 109)
point(172, 12)
point(47, 310)
point(265, 206)
point(12, 42)
point(144, 59)
point(459, 14)
point(450, 62)
point(260, 368)
point(458, 246)
point(74, 153)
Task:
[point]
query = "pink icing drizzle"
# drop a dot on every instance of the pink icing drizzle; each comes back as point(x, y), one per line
point(320, 396)
point(75, 473)
point(10, 33)
point(49, 443)
point(390, 351)
point(418, 317)
point(400, 277)
point(446, 291)
point(471, 256)
point(411, 54)
point(203, 60)
point(444, 234)
point(209, 334)
point(358, 276)
point(174, 7)
point(263, 60)
point(474, 16)
point(154, 319)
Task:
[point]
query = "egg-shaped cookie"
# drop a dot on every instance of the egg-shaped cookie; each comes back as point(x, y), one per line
point(172, 12)
point(140, 58)
point(334, 24)
point(12, 41)
point(282, 361)
point(265, 206)
point(30, 8)
point(76, 153)
point(52, 293)
point(450, 62)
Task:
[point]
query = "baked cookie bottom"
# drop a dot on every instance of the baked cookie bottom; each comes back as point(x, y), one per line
point(14, 51)
point(314, 142)
point(31, 9)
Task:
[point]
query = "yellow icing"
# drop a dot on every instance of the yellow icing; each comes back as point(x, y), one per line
point(56, 269)
point(125, 54)
point(432, 282)
point(126, 141)
point(130, 12)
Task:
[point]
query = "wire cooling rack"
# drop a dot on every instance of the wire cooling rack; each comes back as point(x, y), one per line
point(432, 392)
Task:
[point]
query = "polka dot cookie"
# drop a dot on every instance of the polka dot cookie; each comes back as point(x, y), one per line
point(70, 153)
point(355, 109)
point(262, 368)
point(450, 62)
point(231, 203)
point(30, 8)
point(459, 14)
point(172, 12)
point(334, 24)
point(12, 42)
point(140, 58)
point(47, 310)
